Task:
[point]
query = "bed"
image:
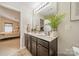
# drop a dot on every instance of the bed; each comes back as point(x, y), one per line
point(4, 35)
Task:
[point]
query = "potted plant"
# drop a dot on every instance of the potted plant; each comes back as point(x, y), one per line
point(55, 20)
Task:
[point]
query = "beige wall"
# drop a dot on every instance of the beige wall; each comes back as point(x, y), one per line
point(68, 31)
point(4, 20)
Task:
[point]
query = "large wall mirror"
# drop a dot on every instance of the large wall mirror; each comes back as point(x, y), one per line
point(46, 8)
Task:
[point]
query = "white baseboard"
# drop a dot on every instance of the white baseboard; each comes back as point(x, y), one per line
point(22, 47)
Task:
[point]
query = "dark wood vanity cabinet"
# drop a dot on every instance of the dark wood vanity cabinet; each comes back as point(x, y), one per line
point(25, 40)
point(42, 51)
point(40, 47)
point(34, 46)
point(28, 42)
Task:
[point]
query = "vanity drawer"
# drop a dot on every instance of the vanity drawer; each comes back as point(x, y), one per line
point(43, 43)
point(33, 38)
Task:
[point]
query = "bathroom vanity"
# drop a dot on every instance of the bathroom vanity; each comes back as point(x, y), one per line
point(41, 45)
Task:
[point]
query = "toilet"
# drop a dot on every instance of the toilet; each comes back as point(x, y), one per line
point(75, 51)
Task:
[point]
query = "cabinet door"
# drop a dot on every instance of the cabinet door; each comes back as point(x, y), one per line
point(53, 47)
point(34, 48)
point(42, 51)
point(29, 43)
point(26, 40)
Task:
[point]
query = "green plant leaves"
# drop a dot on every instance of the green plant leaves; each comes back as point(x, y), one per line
point(55, 20)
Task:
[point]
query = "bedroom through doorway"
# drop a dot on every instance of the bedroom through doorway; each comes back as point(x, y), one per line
point(9, 29)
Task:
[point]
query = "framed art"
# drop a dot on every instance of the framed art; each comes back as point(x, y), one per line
point(74, 10)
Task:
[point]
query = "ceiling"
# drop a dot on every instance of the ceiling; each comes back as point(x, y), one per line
point(9, 13)
point(18, 5)
point(12, 9)
point(11, 5)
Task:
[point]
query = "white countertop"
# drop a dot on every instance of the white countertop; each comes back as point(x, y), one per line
point(42, 36)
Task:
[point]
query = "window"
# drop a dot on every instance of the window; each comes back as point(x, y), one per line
point(8, 27)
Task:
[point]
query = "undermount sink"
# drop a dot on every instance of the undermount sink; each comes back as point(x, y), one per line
point(42, 34)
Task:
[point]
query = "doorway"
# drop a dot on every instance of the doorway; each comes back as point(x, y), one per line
point(9, 29)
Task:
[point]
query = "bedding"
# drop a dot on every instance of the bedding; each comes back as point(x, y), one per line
point(4, 35)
